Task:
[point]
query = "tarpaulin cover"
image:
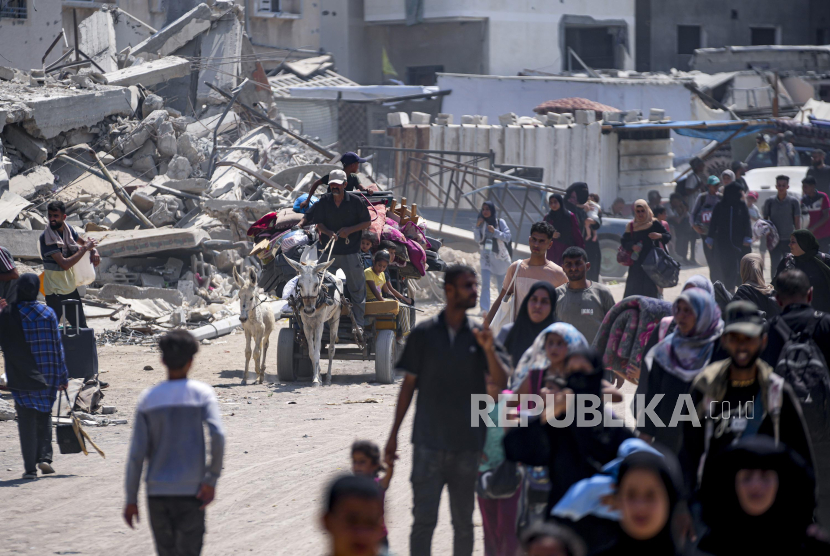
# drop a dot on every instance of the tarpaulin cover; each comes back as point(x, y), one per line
point(713, 131)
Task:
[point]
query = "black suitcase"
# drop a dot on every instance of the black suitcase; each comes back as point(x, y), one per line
point(79, 349)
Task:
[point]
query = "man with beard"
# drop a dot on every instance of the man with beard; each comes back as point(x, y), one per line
point(820, 171)
point(342, 216)
point(61, 248)
point(581, 302)
point(740, 396)
point(446, 359)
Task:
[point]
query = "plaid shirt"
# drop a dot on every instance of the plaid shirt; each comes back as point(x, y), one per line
point(40, 327)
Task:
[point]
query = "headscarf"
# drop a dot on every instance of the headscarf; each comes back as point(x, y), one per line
point(784, 525)
point(732, 195)
point(581, 190)
point(809, 244)
point(536, 358)
point(667, 468)
point(700, 281)
point(561, 221)
point(645, 223)
point(752, 273)
point(685, 356)
point(492, 220)
point(524, 330)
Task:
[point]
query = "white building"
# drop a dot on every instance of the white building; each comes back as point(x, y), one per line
point(494, 37)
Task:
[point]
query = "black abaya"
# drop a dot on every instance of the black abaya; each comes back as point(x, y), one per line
point(638, 282)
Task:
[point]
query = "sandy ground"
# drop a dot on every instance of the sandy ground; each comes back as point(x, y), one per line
point(284, 443)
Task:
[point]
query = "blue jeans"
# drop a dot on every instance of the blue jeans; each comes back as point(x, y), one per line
point(485, 287)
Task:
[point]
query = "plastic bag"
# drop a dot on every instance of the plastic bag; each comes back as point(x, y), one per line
point(84, 271)
point(300, 199)
point(295, 238)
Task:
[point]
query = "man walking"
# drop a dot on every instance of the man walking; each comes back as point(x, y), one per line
point(8, 277)
point(739, 169)
point(794, 294)
point(536, 268)
point(342, 216)
point(689, 189)
point(820, 171)
point(36, 359)
point(581, 302)
point(740, 396)
point(168, 433)
point(702, 214)
point(784, 211)
point(446, 360)
point(61, 248)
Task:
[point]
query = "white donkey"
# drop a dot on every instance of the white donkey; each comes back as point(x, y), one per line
point(257, 321)
point(316, 311)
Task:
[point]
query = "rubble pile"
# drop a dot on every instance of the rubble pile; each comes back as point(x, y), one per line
point(164, 152)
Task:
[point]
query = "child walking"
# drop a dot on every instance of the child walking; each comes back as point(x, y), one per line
point(366, 462)
point(168, 434)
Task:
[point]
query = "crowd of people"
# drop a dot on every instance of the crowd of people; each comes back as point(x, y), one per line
point(750, 453)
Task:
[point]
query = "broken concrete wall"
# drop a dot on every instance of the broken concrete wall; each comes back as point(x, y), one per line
point(177, 34)
point(97, 40)
point(222, 45)
point(129, 30)
point(151, 73)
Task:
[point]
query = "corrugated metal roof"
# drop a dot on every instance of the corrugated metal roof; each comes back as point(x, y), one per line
point(282, 83)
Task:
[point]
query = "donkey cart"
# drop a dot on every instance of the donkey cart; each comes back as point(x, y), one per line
point(377, 344)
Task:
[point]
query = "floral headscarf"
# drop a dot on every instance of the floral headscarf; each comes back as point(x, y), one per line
point(536, 358)
point(685, 356)
point(700, 281)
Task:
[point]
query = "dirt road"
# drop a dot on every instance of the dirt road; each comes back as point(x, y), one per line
point(284, 443)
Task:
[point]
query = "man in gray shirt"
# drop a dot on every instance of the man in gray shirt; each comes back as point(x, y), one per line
point(168, 434)
point(580, 302)
point(784, 211)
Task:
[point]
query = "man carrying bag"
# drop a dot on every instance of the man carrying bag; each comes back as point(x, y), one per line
point(36, 371)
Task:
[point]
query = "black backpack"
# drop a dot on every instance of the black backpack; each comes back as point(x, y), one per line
point(802, 365)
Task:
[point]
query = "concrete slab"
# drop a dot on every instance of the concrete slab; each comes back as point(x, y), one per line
point(135, 243)
point(189, 185)
point(129, 31)
point(97, 39)
point(22, 244)
point(152, 73)
point(205, 126)
point(110, 292)
point(10, 206)
point(223, 42)
point(46, 112)
point(31, 148)
point(177, 34)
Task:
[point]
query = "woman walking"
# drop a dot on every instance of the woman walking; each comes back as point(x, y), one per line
point(642, 234)
point(753, 287)
point(492, 235)
point(805, 256)
point(729, 237)
point(567, 228)
point(538, 311)
point(675, 361)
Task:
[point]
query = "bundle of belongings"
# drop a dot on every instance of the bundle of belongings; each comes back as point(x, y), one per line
point(277, 235)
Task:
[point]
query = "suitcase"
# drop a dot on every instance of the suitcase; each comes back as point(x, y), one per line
point(79, 349)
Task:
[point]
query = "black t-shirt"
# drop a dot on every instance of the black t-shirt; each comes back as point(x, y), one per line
point(352, 182)
point(448, 374)
point(351, 212)
point(822, 176)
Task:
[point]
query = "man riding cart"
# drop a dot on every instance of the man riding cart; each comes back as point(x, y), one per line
point(342, 216)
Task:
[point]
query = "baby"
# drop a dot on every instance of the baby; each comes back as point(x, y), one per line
point(593, 210)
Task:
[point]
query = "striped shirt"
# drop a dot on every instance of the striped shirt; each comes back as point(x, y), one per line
point(40, 328)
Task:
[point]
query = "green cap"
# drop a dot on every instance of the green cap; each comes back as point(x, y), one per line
point(713, 180)
point(743, 317)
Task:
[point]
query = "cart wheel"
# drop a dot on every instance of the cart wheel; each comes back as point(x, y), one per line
point(285, 355)
point(385, 357)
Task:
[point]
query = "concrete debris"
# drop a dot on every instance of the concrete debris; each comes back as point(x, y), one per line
point(150, 73)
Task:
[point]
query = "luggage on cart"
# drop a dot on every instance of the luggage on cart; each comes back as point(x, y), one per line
point(79, 349)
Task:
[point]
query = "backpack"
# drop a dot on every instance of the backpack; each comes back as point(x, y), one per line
point(803, 367)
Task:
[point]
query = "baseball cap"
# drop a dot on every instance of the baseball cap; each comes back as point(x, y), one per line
point(739, 165)
point(713, 180)
point(351, 158)
point(337, 176)
point(753, 195)
point(744, 317)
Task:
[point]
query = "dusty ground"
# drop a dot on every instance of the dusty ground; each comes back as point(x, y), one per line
point(284, 443)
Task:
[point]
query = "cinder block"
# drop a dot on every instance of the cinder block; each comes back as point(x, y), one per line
point(420, 118)
point(633, 116)
point(585, 117)
point(507, 119)
point(467, 119)
point(397, 119)
point(656, 114)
